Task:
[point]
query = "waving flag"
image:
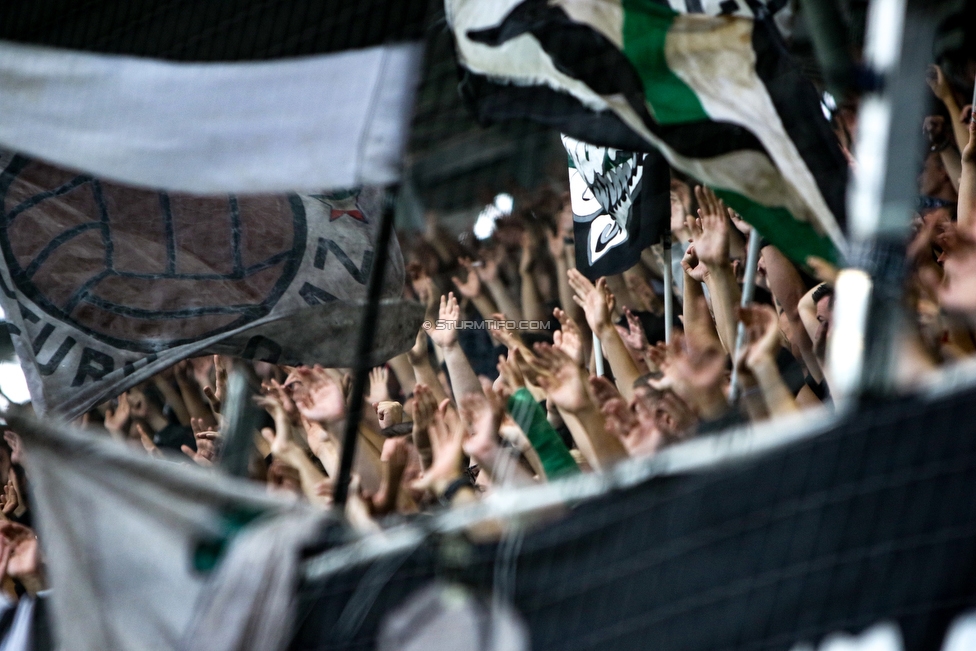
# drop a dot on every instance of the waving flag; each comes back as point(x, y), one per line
point(621, 205)
point(716, 95)
point(104, 285)
point(206, 96)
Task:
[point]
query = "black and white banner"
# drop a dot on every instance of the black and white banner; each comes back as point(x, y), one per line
point(105, 285)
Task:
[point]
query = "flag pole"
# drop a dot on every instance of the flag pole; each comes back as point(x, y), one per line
point(365, 345)
point(668, 287)
point(748, 290)
point(598, 355)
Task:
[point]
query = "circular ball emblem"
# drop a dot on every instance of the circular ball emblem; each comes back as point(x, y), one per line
point(143, 270)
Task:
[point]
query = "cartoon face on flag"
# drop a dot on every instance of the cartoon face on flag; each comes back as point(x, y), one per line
point(620, 204)
point(603, 182)
point(104, 285)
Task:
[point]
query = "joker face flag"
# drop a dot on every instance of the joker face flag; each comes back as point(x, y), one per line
point(621, 205)
point(105, 285)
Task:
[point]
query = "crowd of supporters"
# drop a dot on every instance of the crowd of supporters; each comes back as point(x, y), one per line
point(501, 387)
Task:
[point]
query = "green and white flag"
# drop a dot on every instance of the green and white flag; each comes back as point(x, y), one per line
point(716, 95)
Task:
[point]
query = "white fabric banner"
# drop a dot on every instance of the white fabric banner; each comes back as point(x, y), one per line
point(328, 121)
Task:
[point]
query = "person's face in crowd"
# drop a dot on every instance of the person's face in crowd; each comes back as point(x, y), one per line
point(824, 318)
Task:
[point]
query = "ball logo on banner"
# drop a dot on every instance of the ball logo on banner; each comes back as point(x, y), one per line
point(151, 271)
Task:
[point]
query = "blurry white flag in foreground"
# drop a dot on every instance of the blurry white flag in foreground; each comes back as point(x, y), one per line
point(265, 99)
point(160, 556)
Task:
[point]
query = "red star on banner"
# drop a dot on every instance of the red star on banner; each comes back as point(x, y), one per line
point(340, 206)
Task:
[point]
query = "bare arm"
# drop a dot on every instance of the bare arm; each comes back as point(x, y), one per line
point(597, 304)
point(967, 184)
point(463, 378)
point(786, 285)
point(762, 332)
point(712, 246)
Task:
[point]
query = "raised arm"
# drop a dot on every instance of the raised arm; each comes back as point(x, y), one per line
point(787, 287)
point(712, 247)
point(471, 289)
point(762, 330)
point(967, 184)
point(566, 384)
point(597, 303)
point(444, 334)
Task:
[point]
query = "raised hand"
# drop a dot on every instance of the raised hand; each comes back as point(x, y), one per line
point(471, 286)
point(147, 442)
point(568, 338)
point(218, 393)
point(762, 334)
point(596, 300)
point(937, 81)
point(488, 270)
point(279, 391)
point(712, 243)
point(424, 407)
point(22, 555)
point(561, 378)
point(633, 336)
point(116, 420)
point(694, 268)
point(318, 395)
point(448, 317)
point(389, 413)
point(446, 439)
point(207, 441)
point(509, 373)
point(10, 499)
point(16, 447)
point(619, 419)
point(379, 390)
point(482, 414)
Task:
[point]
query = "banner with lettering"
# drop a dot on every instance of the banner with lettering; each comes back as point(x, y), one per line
point(104, 285)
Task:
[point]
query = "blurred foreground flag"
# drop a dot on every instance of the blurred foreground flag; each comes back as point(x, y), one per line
point(105, 285)
point(142, 554)
point(206, 96)
point(716, 95)
point(621, 205)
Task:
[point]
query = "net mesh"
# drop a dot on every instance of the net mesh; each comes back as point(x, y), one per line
point(870, 521)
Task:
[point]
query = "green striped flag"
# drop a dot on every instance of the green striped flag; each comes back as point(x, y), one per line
point(717, 95)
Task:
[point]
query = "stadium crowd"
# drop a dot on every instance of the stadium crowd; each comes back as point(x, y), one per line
point(478, 404)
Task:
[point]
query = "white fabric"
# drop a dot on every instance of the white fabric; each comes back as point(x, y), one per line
point(119, 531)
point(18, 637)
point(327, 121)
point(251, 602)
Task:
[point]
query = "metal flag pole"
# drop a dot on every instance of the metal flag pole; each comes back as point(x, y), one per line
point(598, 355)
point(668, 287)
point(748, 291)
point(365, 345)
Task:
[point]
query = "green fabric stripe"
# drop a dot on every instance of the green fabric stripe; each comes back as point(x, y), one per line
point(796, 239)
point(645, 30)
point(531, 418)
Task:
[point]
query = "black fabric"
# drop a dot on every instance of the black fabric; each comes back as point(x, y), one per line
point(650, 215)
point(42, 638)
point(173, 436)
point(580, 52)
point(212, 30)
point(798, 105)
point(791, 370)
point(871, 521)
